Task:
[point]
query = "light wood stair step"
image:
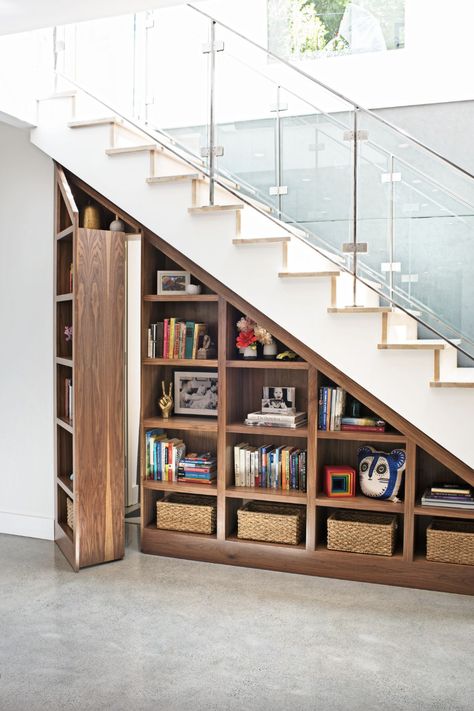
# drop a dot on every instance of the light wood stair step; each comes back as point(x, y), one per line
point(451, 384)
point(214, 208)
point(422, 345)
point(304, 275)
point(144, 147)
point(359, 310)
point(262, 240)
point(172, 178)
point(105, 121)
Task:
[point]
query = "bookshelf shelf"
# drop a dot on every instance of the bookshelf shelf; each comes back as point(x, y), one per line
point(268, 364)
point(240, 384)
point(182, 362)
point(249, 492)
point(394, 437)
point(239, 428)
point(185, 298)
point(68, 362)
point(362, 503)
point(444, 512)
point(206, 489)
point(200, 424)
point(66, 485)
point(65, 424)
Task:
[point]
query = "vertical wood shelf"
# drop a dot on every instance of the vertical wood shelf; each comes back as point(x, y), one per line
point(89, 293)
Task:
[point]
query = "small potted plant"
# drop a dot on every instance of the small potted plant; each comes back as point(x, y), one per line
point(246, 340)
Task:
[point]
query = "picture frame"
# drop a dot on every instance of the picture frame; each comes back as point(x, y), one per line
point(196, 393)
point(279, 399)
point(172, 282)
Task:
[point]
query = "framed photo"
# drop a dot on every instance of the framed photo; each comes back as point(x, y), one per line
point(279, 399)
point(195, 393)
point(170, 282)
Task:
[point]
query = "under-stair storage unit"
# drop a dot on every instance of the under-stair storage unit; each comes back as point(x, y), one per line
point(240, 384)
point(89, 383)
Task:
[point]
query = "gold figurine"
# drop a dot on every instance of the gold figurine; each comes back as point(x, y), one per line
point(166, 401)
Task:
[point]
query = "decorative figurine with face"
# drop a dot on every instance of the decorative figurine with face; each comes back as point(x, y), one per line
point(380, 473)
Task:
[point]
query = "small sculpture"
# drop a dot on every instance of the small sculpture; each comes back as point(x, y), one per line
point(166, 401)
point(207, 349)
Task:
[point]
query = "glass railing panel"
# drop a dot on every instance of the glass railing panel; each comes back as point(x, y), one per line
point(316, 172)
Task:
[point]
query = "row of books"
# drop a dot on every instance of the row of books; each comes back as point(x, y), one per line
point(449, 496)
point(266, 419)
point(270, 467)
point(172, 338)
point(163, 455)
point(197, 468)
point(68, 398)
point(332, 402)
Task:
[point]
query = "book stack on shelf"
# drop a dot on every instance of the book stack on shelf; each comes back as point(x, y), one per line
point(198, 468)
point(163, 456)
point(172, 338)
point(332, 402)
point(270, 467)
point(451, 496)
point(362, 424)
point(68, 398)
point(278, 410)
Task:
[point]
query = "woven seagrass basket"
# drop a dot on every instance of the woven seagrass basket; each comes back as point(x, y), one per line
point(187, 512)
point(262, 521)
point(70, 513)
point(362, 532)
point(450, 542)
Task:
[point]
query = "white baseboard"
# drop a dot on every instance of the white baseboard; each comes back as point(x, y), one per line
point(31, 526)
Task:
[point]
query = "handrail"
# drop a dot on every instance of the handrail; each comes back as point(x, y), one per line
point(339, 95)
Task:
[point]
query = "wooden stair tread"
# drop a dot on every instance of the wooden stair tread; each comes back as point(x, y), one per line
point(428, 344)
point(452, 384)
point(104, 121)
point(172, 178)
point(262, 240)
point(133, 149)
point(359, 310)
point(214, 208)
point(328, 273)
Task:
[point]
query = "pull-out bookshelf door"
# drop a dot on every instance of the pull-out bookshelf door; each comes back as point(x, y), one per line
point(99, 394)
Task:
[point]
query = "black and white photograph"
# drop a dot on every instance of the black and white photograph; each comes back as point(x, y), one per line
point(279, 399)
point(172, 282)
point(195, 393)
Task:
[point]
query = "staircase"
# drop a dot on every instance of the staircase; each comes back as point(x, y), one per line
point(308, 291)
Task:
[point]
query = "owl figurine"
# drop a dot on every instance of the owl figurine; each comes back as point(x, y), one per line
point(380, 473)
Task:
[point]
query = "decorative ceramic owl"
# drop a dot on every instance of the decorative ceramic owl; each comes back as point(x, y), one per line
point(380, 473)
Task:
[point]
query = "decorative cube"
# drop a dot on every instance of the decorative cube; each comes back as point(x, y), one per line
point(339, 481)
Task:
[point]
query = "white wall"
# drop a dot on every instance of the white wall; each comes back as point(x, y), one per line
point(26, 328)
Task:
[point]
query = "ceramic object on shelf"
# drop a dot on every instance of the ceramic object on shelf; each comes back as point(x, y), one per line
point(91, 219)
point(117, 225)
point(250, 353)
point(193, 289)
point(270, 351)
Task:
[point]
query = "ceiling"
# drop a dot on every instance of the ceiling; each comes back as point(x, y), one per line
point(22, 15)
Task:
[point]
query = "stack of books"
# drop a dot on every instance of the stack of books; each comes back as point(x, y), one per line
point(362, 424)
point(173, 339)
point(451, 496)
point(332, 402)
point(198, 468)
point(270, 467)
point(276, 419)
point(68, 400)
point(163, 456)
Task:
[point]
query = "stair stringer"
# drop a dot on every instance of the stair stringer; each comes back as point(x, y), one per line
point(399, 379)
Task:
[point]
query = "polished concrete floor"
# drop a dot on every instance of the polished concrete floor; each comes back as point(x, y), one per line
point(164, 634)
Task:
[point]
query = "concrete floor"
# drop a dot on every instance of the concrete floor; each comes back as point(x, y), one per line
point(175, 635)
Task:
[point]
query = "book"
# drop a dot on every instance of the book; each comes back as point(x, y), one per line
point(451, 489)
point(362, 428)
point(363, 421)
point(189, 337)
point(278, 419)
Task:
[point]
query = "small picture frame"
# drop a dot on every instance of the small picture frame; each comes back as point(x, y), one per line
point(279, 399)
point(196, 393)
point(170, 283)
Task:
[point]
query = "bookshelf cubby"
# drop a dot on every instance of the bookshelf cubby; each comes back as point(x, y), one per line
point(240, 386)
point(89, 442)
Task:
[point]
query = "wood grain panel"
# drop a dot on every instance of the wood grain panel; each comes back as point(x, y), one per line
point(99, 394)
